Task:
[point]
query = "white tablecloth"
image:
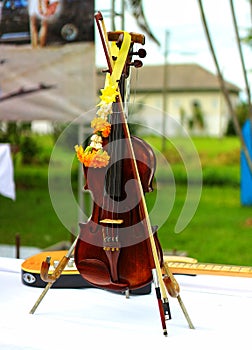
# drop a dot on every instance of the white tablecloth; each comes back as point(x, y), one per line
point(7, 185)
point(220, 308)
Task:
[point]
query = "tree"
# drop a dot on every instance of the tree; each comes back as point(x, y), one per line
point(222, 83)
point(138, 13)
point(242, 112)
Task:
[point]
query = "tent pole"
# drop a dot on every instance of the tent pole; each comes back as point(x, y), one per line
point(80, 177)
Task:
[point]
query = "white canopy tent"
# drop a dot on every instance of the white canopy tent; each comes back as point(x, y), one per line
point(62, 77)
point(54, 84)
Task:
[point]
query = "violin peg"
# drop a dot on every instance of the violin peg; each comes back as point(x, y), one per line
point(141, 53)
point(136, 64)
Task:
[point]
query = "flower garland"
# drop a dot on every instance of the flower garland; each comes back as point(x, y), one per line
point(94, 155)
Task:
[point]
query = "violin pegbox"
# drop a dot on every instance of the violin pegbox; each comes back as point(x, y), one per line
point(135, 39)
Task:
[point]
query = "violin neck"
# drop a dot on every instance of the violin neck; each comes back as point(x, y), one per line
point(114, 174)
point(113, 181)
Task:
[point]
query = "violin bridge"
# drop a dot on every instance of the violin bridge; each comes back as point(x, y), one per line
point(113, 249)
point(111, 221)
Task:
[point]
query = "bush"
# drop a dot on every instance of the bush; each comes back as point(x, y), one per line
point(29, 150)
point(242, 112)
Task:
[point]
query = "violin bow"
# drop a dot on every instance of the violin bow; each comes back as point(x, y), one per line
point(160, 285)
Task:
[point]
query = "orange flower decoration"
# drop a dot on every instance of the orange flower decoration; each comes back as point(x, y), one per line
point(101, 125)
point(100, 159)
point(91, 157)
point(94, 155)
point(80, 153)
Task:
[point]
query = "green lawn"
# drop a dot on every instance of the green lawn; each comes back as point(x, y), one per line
point(218, 230)
point(33, 217)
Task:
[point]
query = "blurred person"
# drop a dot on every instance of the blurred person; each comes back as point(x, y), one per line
point(40, 12)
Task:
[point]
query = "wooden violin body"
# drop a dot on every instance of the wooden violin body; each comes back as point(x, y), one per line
point(113, 251)
point(71, 278)
point(118, 249)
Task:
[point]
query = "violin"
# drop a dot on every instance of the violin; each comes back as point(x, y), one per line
point(113, 250)
point(117, 248)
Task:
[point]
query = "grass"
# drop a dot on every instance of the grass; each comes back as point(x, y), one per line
point(33, 217)
point(219, 158)
point(218, 231)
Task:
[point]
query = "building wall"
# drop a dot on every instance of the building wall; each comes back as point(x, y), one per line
point(149, 107)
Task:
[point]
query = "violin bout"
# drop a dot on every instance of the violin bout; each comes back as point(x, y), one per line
point(70, 277)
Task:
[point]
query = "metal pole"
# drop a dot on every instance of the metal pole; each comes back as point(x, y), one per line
point(165, 88)
point(80, 176)
point(113, 15)
point(122, 14)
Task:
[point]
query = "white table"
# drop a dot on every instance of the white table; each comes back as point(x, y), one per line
point(220, 308)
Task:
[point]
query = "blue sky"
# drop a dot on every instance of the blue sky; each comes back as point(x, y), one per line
point(187, 41)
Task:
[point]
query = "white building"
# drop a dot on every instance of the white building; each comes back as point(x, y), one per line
point(187, 85)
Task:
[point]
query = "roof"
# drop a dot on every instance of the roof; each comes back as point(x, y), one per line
point(26, 72)
point(180, 77)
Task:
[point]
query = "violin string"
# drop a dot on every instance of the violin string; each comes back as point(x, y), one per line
point(113, 177)
point(133, 88)
point(105, 231)
point(122, 114)
point(111, 184)
point(102, 215)
point(127, 96)
point(118, 183)
point(106, 190)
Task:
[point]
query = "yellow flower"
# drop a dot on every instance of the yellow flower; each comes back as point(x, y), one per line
point(109, 93)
